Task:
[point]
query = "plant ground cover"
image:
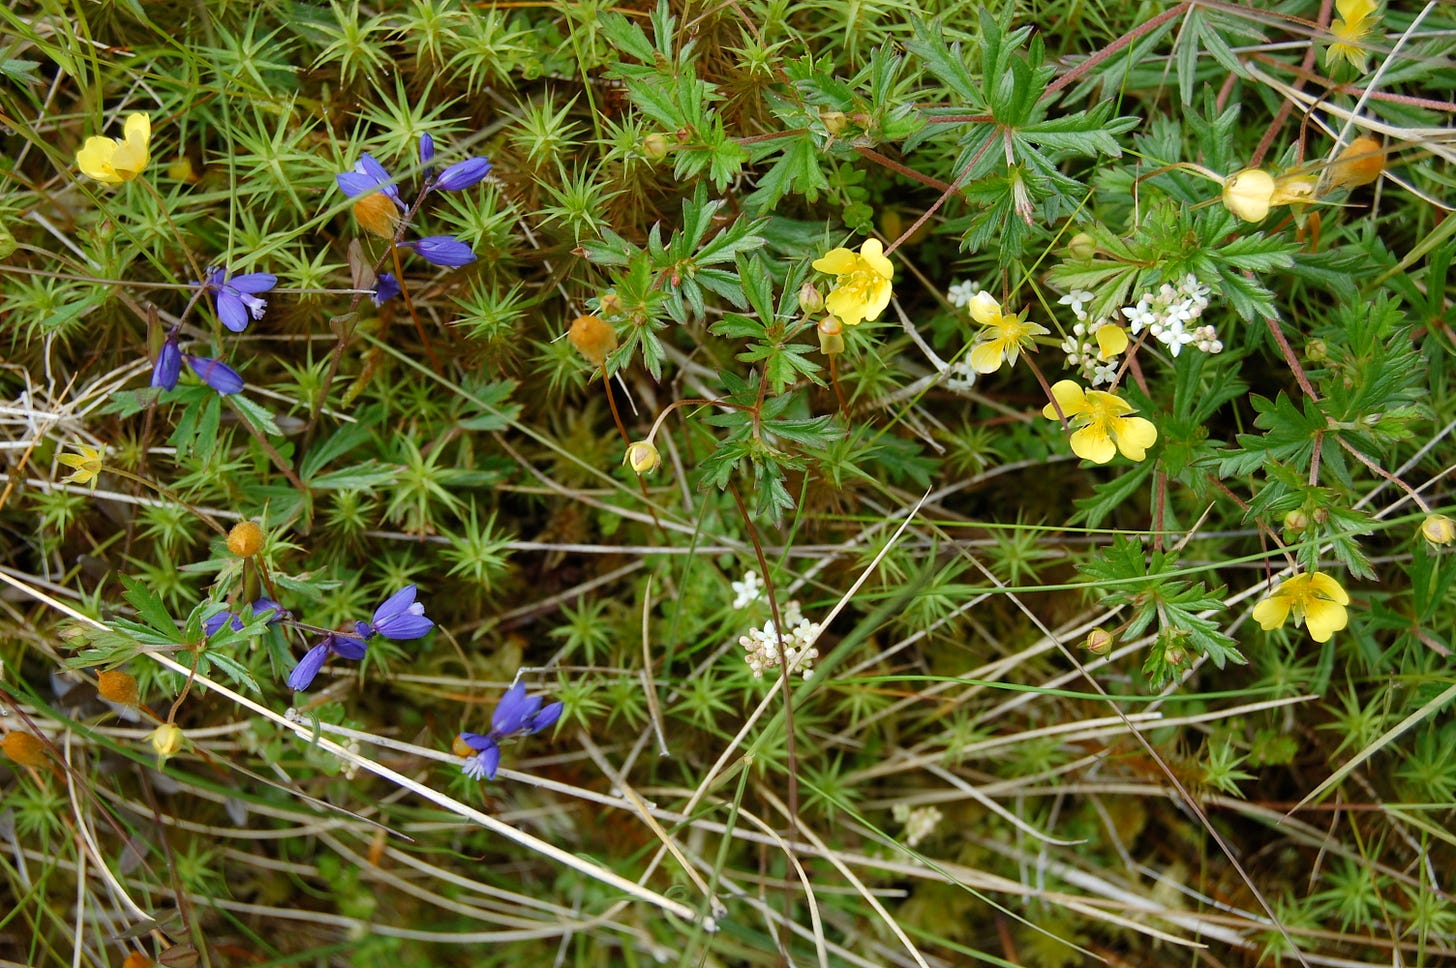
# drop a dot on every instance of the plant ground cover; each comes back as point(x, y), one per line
point(754, 483)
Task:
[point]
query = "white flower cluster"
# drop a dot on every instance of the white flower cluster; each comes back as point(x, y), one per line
point(960, 294)
point(761, 646)
point(747, 591)
point(1170, 316)
point(959, 376)
point(919, 822)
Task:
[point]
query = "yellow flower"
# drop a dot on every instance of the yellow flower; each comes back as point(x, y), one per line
point(1317, 601)
point(112, 162)
point(1357, 18)
point(642, 457)
point(1102, 424)
point(862, 290)
point(1249, 193)
point(1002, 335)
point(166, 739)
point(86, 464)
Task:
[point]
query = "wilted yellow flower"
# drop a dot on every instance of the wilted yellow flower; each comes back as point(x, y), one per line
point(245, 539)
point(86, 465)
point(1356, 20)
point(1439, 529)
point(1249, 194)
point(831, 336)
point(117, 686)
point(1360, 163)
point(24, 748)
point(1003, 335)
point(642, 457)
point(1101, 422)
point(862, 289)
point(166, 739)
point(377, 213)
point(593, 338)
point(1317, 601)
point(112, 162)
point(1293, 189)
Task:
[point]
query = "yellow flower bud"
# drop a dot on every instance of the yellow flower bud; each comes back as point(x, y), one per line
point(642, 457)
point(593, 338)
point(831, 336)
point(117, 686)
point(1249, 193)
point(611, 304)
point(1099, 641)
point(166, 739)
point(1316, 351)
point(459, 747)
point(245, 539)
point(1439, 529)
point(25, 749)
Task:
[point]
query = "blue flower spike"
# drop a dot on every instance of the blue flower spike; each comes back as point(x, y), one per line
point(441, 250)
point(237, 298)
point(400, 618)
point(335, 643)
point(515, 715)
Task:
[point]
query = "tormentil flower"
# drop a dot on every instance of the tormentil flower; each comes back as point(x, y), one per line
point(1356, 20)
point(1003, 335)
point(1317, 601)
point(86, 465)
point(1101, 422)
point(237, 298)
point(515, 715)
point(862, 289)
point(112, 162)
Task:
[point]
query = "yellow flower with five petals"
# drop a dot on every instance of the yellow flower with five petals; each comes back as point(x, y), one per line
point(86, 465)
point(1317, 601)
point(862, 289)
point(1102, 423)
point(1003, 335)
point(112, 162)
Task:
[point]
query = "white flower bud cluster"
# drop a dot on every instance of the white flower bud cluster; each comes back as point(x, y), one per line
point(919, 822)
point(761, 646)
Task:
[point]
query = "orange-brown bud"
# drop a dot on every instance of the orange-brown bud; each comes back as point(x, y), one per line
point(245, 539)
point(1360, 163)
point(378, 214)
point(593, 338)
point(24, 748)
point(459, 747)
point(117, 686)
point(137, 960)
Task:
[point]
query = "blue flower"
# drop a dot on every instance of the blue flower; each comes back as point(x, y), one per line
point(427, 149)
point(263, 606)
point(441, 250)
point(237, 298)
point(386, 287)
point(368, 176)
point(216, 374)
point(463, 174)
point(400, 618)
point(515, 715)
point(335, 643)
point(169, 364)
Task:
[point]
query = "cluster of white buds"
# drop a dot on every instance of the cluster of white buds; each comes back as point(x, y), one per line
point(1170, 316)
point(761, 646)
point(920, 822)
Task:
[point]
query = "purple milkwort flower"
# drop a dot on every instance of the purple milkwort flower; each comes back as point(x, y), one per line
point(462, 175)
point(399, 618)
point(169, 364)
point(386, 287)
point(216, 374)
point(263, 606)
point(367, 176)
point(441, 250)
point(237, 298)
point(427, 150)
point(515, 715)
point(335, 643)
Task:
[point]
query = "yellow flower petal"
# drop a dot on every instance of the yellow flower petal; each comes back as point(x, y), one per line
point(836, 262)
point(112, 162)
point(984, 308)
point(1111, 341)
point(1248, 193)
point(1272, 612)
point(1324, 619)
point(873, 252)
point(1093, 443)
point(1324, 588)
point(1069, 397)
point(1133, 436)
point(986, 357)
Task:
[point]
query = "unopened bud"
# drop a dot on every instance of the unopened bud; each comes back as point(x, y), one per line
point(1296, 520)
point(117, 686)
point(593, 338)
point(1175, 656)
point(1249, 193)
point(611, 304)
point(1099, 641)
point(166, 739)
point(1316, 351)
point(655, 147)
point(831, 336)
point(245, 539)
point(811, 300)
point(833, 121)
point(642, 457)
point(1081, 247)
point(459, 747)
point(1439, 529)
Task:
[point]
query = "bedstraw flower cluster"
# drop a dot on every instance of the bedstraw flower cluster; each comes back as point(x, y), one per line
point(761, 646)
point(1169, 316)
